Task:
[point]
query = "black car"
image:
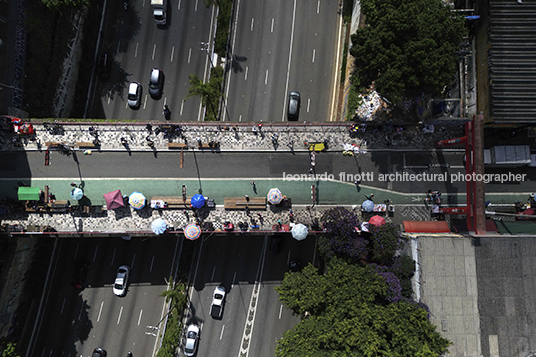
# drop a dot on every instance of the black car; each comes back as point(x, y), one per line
point(104, 66)
point(79, 275)
point(294, 265)
point(293, 106)
point(98, 352)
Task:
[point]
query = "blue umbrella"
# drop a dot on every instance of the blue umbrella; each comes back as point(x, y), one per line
point(159, 226)
point(368, 206)
point(77, 194)
point(299, 231)
point(197, 201)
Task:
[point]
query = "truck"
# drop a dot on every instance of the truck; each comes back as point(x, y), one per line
point(159, 11)
point(218, 298)
point(507, 155)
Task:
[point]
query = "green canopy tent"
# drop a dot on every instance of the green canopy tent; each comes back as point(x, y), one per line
point(29, 193)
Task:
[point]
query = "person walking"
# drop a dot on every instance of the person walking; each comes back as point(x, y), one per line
point(247, 198)
point(369, 196)
point(252, 183)
point(150, 142)
point(124, 142)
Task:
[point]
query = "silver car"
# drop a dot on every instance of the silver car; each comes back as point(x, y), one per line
point(155, 83)
point(134, 94)
point(121, 280)
point(192, 337)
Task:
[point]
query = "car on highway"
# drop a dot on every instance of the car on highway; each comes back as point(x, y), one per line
point(104, 66)
point(218, 298)
point(79, 275)
point(134, 95)
point(121, 280)
point(192, 337)
point(293, 105)
point(99, 352)
point(294, 265)
point(155, 83)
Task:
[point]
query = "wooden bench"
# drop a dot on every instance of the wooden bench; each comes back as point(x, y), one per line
point(173, 201)
point(53, 144)
point(256, 203)
point(177, 146)
point(86, 145)
point(207, 146)
point(47, 192)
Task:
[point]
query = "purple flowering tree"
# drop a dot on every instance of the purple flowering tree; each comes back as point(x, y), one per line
point(341, 238)
point(385, 240)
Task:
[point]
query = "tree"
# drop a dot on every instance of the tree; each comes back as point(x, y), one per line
point(55, 4)
point(209, 92)
point(384, 241)
point(10, 350)
point(350, 316)
point(175, 294)
point(407, 47)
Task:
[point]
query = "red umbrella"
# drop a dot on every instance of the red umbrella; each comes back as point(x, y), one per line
point(377, 221)
point(114, 199)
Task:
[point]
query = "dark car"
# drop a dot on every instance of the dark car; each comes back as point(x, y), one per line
point(98, 352)
point(293, 106)
point(294, 265)
point(275, 245)
point(104, 66)
point(79, 275)
point(155, 83)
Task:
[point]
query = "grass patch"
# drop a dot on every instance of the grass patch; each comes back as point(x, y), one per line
point(216, 80)
point(222, 31)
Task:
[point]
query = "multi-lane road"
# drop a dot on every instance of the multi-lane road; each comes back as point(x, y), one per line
point(276, 46)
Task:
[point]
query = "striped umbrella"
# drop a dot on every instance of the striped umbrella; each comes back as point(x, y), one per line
point(274, 196)
point(77, 194)
point(192, 231)
point(137, 200)
point(299, 231)
point(159, 226)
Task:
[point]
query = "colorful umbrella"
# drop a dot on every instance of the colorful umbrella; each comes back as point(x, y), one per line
point(299, 231)
point(77, 194)
point(274, 196)
point(114, 199)
point(137, 200)
point(368, 206)
point(377, 221)
point(192, 231)
point(159, 226)
point(197, 201)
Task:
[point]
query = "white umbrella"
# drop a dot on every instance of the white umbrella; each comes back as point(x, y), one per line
point(299, 231)
point(159, 226)
point(368, 206)
point(77, 194)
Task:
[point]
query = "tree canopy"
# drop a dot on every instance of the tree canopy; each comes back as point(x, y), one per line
point(348, 315)
point(407, 47)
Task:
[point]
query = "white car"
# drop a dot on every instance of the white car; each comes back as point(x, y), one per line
point(134, 94)
point(218, 298)
point(192, 336)
point(121, 280)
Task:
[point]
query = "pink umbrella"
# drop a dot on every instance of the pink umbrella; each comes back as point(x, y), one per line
point(377, 221)
point(114, 199)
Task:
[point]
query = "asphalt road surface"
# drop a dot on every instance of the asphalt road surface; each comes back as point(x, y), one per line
point(280, 46)
point(137, 45)
point(75, 322)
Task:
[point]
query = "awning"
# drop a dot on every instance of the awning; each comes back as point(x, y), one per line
point(29, 193)
point(426, 227)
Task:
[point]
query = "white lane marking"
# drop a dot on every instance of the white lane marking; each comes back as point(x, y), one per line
point(179, 5)
point(119, 317)
point(221, 333)
point(62, 306)
point(136, 51)
point(113, 258)
point(280, 311)
point(118, 47)
point(145, 102)
point(139, 318)
point(100, 311)
point(318, 7)
point(80, 312)
point(266, 77)
point(213, 272)
point(154, 51)
point(182, 107)
point(246, 76)
point(189, 55)
point(272, 28)
point(95, 254)
point(133, 259)
point(308, 104)
point(240, 118)
point(195, 9)
point(234, 278)
point(493, 345)
point(76, 250)
point(289, 60)
point(314, 53)
point(172, 53)
point(288, 257)
point(252, 20)
point(152, 262)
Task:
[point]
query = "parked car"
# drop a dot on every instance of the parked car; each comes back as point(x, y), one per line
point(155, 83)
point(294, 265)
point(293, 106)
point(104, 66)
point(192, 337)
point(218, 298)
point(79, 275)
point(121, 280)
point(99, 352)
point(134, 94)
